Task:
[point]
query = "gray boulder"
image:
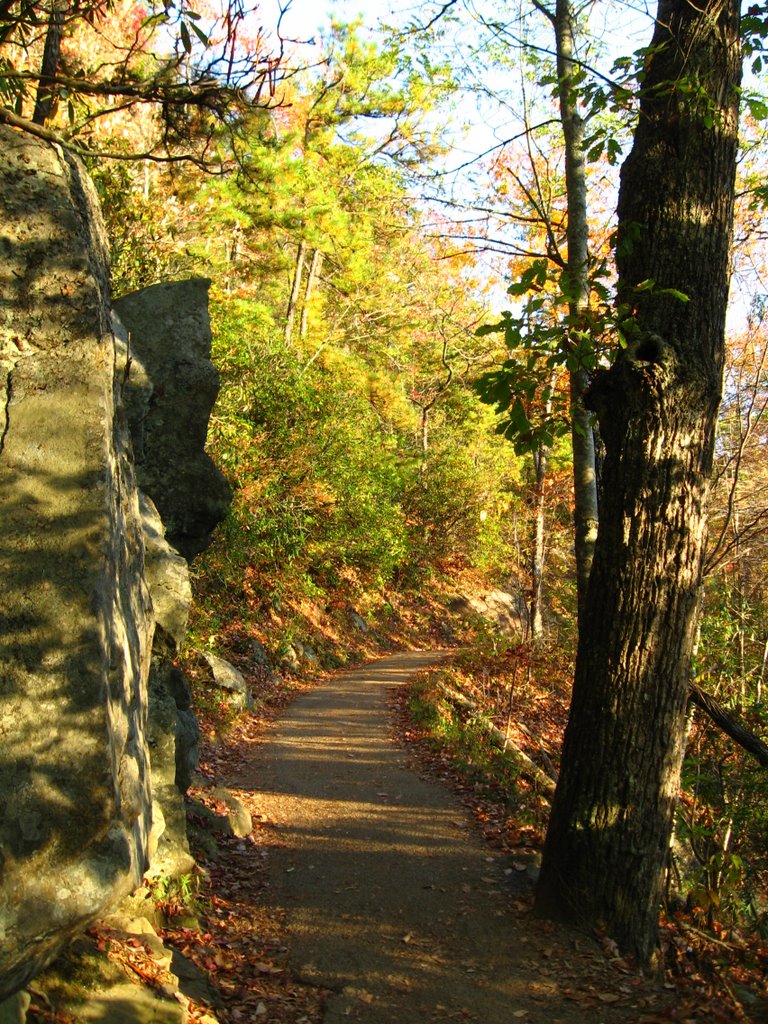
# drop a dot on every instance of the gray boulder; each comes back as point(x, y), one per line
point(170, 855)
point(167, 575)
point(261, 663)
point(187, 747)
point(502, 609)
point(238, 815)
point(290, 660)
point(226, 677)
point(359, 623)
point(76, 628)
point(172, 383)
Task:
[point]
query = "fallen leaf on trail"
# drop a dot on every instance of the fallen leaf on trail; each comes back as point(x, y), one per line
point(268, 968)
point(608, 997)
point(520, 1013)
point(408, 937)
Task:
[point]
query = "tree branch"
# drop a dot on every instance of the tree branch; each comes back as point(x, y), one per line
point(16, 121)
point(737, 732)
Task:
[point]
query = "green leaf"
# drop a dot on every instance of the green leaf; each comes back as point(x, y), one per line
point(758, 107)
point(614, 151)
point(675, 294)
point(186, 42)
point(204, 39)
point(486, 329)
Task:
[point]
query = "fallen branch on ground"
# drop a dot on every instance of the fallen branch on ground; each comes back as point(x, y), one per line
point(527, 767)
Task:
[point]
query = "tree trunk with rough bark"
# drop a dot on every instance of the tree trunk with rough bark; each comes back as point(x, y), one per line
point(50, 62)
point(612, 815)
point(293, 301)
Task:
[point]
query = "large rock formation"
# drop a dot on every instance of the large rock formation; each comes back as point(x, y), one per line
point(172, 382)
point(94, 601)
point(74, 608)
point(169, 387)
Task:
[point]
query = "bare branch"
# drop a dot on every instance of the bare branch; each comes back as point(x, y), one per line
point(737, 732)
point(15, 121)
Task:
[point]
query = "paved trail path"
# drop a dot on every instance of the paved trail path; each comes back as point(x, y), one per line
point(391, 901)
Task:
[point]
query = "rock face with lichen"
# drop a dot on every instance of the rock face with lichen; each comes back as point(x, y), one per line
point(98, 736)
point(75, 805)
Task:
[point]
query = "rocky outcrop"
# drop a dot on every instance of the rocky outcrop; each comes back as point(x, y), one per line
point(506, 611)
point(225, 677)
point(99, 740)
point(169, 386)
point(170, 848)
point(76, 623)
point(167, 574)
point(171, 381)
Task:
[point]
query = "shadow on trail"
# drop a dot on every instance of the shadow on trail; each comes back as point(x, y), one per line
point(390, 900)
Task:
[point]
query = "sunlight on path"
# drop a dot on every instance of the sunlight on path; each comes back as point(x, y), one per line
point(391, 902)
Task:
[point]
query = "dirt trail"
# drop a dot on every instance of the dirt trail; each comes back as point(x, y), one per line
point(391, 901)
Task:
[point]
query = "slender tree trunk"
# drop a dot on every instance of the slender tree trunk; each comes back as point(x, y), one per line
point(537, 562)
point(540, 464)
point(583, 442)
point(50, 62)
point(293, 301)
point(314, 273)
point(585, 496)
point(612, 815)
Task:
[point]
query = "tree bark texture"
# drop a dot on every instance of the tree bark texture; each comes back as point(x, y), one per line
point(612, 815)
point(50, 62)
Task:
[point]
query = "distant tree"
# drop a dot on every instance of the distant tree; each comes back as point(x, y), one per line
point(608, 837)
